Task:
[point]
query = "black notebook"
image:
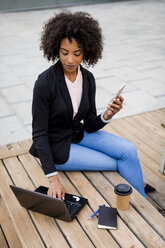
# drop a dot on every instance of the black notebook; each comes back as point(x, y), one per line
point(107, 218)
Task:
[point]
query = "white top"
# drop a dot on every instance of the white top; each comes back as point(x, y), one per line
point(75, 91)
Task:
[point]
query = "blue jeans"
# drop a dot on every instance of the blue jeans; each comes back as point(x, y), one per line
point(102, 151)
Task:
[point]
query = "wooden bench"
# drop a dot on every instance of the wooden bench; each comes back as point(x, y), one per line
point(142, 225)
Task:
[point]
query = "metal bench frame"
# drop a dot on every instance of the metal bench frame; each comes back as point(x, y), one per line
point(162, 165)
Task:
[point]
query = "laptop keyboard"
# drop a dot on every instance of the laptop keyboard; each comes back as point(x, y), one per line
point(73, 208)
point(73, 204)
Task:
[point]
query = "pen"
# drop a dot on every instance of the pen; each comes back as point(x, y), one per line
point(95, 212)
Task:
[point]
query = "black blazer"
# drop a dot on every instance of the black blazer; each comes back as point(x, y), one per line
point(54, 128)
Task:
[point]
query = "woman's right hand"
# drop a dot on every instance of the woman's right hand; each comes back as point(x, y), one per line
point(56, 189)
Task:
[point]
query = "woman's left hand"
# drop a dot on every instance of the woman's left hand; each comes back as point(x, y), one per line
point(114, 106)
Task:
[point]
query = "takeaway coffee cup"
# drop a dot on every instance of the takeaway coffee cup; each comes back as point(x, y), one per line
point(123, 192)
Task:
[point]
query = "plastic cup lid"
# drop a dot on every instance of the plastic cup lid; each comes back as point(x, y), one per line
point(123, 189)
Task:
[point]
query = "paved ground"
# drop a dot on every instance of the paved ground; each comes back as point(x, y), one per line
point(134, 33)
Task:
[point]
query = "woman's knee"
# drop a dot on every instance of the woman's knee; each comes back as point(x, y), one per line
point(130, 149)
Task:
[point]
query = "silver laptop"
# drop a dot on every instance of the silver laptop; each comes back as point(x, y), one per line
point(40, 202)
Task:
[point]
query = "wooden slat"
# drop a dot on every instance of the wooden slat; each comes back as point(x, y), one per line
point(159, 114)
point(14, 149)
point(21, 179)
point(155, 121)
point(123, 235)
point(122, 127)
point(131, 216)
point(144, 135)
point(3, 243)
point(156, 220)
point(19, 215)
point(146, 132)
point(8, 227)
point(151, 173)
point(155, 204)
point(162, 110)
point(151, 178)
point(149, 129)
point(52, 235)
point(99, 239)
point(152, 165)
point(145, 153)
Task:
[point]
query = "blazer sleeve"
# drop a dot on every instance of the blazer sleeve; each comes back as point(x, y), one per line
point(92, 121)
point(40, 114)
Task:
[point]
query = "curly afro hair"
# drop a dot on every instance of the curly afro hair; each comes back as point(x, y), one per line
point(80, 26)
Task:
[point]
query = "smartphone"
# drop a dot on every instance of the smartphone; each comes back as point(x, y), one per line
point(120, 91)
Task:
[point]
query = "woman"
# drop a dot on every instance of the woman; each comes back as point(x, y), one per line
point(66, 133)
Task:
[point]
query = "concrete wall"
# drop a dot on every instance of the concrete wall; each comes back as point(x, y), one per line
point(19, 5)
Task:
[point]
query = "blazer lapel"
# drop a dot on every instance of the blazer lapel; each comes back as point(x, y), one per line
point(84, 94)
point(64, 90)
